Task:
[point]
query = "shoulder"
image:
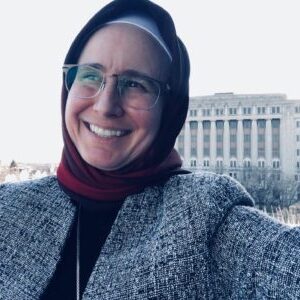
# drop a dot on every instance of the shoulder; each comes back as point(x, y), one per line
point(221, 190)
point(202, 200)
point(29, 187)
point(31, 191)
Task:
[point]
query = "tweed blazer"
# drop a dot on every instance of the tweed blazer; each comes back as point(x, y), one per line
point(195, 237)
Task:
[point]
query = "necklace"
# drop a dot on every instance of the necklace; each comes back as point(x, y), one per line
point(78, 255)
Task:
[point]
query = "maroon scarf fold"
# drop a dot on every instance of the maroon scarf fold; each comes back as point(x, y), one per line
point(92, 183)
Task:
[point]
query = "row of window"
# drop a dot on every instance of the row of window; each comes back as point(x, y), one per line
point(233, 164)
point(261, 123)
point(261, 110)
point(261, 177)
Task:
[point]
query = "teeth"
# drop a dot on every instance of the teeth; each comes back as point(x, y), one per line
point(106, 132)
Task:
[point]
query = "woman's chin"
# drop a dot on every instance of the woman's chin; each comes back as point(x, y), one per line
point(106, 164)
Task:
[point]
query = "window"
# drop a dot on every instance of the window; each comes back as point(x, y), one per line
point(232, 124)
point(247, 123)
point(193, 163)
point(298, 164)
point(206, 163)
point(247, 164)
point(261, 164)
point(275, 177)
point(232, 111)
point(298, 137)
point(247, 110)
point(297, 109)
point(206, 112)
point(298, 124)
point(275, 110)
point(261, 138)
point(298, 152)
point(206, 124)
point(220, 124)
point(206, 138)
point(233, 163)
point(219, 138)
point(233, 138)
point(261, 110)
point(193, 125)
point(193, 112)
point(233, 174)
point(219, 164)
point(219, 111)
point(261, 123)
point(247, 138)
point(181, 144)
point(275, 164)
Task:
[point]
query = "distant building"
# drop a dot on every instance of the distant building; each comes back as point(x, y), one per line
point(26, 171)
point(234, 132)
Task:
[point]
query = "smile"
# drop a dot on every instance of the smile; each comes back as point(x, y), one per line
point(107, 133)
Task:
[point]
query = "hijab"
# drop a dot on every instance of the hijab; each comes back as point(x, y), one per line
point(161, 160)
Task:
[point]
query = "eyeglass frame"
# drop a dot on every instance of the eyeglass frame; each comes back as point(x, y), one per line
point(164, 87)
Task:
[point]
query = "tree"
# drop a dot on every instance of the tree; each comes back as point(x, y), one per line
point(13, 165)
point(270, 187)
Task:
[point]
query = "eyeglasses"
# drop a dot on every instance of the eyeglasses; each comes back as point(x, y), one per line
point(137, 91)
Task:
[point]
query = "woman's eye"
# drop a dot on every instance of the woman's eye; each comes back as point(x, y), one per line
point(89, 77)
point(134, 84)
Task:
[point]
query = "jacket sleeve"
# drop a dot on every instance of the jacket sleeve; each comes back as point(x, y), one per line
point(256, 257)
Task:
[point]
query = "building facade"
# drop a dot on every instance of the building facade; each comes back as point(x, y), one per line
point(234, 132)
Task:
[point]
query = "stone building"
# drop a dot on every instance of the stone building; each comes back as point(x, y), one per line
point(234, 132)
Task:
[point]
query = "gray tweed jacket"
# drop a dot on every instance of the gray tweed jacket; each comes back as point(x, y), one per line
point(196, 237)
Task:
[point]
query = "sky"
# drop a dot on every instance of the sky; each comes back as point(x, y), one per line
point(239, 46)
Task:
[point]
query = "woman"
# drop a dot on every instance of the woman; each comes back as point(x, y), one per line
point(122, 220)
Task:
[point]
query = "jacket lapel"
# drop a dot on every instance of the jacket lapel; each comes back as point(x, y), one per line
point(136, 219)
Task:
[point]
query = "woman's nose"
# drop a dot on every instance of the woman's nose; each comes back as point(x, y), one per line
point(107, 102)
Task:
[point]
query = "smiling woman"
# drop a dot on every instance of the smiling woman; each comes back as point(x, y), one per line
point(122, 219)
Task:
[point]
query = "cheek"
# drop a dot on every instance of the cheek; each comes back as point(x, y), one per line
point(69, 115)
point(152, 122)
point(73, 108)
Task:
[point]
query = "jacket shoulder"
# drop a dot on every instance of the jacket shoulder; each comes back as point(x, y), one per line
point(220, 190)
point(30, 191)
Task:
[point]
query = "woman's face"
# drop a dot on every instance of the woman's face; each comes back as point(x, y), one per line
point(107, 133)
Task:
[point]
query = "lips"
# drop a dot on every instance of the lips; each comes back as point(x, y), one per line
point(106, 132)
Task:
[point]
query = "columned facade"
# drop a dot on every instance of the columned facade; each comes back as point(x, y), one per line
point(242, 131)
